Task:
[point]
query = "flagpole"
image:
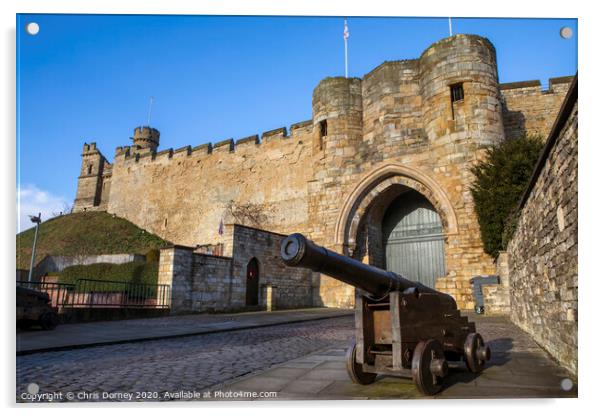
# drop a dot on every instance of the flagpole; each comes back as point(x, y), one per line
point(150, 109)
point(450, 27)
point(345, 36)
point(346, 71)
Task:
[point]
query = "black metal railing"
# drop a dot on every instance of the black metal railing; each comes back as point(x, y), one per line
point(91, 293)
point(116, 294)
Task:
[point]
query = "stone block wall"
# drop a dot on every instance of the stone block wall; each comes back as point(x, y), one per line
point(203, 282)
point(332, 177)
point(395, 130)
point(183, 194)
point(528, 109)
point(543, 250)
point(496, 299)
point(175, 270)
point(291, 287)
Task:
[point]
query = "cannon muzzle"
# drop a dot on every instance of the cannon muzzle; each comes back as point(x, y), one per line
point(298, 251)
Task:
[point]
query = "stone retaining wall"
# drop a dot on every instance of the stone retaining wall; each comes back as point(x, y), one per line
point(543, 250)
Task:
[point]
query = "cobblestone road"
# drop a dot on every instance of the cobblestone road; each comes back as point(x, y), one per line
point(192, 363)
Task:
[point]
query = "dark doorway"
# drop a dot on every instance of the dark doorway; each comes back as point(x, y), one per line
point(253, 282)
point(413, 239)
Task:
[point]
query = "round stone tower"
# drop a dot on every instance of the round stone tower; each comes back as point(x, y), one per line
point(146, 138)
point(337, 141)
point(460, 90)
point(337, 114)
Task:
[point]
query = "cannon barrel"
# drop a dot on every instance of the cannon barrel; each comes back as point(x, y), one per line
point(298, 251)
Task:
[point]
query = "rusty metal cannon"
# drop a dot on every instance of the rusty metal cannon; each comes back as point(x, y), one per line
point(402, 328)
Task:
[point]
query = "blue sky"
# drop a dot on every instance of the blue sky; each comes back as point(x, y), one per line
point(88, 78)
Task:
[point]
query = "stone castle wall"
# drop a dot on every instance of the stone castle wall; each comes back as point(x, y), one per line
point(202, 282)
point(395, 130)
point(530, 110)
point(182, 195)
point(369, 140)
point(543, 250)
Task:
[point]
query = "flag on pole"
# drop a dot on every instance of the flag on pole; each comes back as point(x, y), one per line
point(346, 31)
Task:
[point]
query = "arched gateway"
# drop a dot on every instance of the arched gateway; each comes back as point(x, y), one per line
point(398, 218)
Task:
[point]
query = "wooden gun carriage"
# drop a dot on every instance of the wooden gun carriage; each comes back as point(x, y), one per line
point(402, 328)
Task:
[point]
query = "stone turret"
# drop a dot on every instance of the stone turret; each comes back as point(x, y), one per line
point(146, 137)
point(337, 115)
point(90, 181)
point(460, 91)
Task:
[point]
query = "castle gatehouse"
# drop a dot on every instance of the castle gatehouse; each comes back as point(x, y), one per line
point(382, 172)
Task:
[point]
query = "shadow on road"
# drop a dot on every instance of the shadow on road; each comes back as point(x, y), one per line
point(500, 355)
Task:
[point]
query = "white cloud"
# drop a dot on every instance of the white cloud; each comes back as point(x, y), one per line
point(32, 200)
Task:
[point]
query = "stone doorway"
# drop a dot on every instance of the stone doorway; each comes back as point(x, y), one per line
point(252, 297)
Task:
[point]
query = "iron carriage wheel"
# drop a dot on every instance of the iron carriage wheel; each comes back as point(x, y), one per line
point(48, 320)
point(475, 352)
point(355, 370)
point(429, 367)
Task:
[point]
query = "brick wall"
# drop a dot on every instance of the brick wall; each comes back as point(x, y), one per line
point(543, 250)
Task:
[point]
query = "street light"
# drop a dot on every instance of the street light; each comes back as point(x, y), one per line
point(36, 220)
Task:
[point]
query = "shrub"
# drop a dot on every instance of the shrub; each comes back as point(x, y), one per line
point(500, 180)
point(134, 272)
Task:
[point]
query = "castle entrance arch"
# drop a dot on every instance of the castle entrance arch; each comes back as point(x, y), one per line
point(413, 238)
point(252, 295)
point(394, 214)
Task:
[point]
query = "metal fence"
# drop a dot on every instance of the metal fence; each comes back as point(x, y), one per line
point(108, 293)
point(91, 293)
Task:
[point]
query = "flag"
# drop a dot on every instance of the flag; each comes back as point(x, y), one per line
point(346, 31)
point(220, 230)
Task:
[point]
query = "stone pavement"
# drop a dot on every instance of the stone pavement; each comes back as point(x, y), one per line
point(161, 369)
point(519, 368)
point(295, 361)
point(71, 336)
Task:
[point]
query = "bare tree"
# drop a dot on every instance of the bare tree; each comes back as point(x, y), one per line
point(66, 209)
point(256, 215)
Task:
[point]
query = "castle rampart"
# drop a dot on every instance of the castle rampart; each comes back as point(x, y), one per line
point(407, 127)
point(530, 109)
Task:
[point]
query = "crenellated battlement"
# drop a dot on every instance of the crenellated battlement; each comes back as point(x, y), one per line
point(558, 84)
point(89, 148)
point(530, 107)
point(407, 127)
point(272, 138)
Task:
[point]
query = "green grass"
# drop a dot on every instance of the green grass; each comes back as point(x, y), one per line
point(85, 233)
point(134, 272)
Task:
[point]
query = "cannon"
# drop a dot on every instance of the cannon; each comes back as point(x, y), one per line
point(402, 328)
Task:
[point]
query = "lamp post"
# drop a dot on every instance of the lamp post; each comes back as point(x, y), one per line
point(36, 220)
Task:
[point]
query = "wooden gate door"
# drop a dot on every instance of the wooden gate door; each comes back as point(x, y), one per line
point(252, 282)
point(413, 239)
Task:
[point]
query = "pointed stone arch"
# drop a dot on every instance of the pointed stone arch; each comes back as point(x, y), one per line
point(374, 184)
